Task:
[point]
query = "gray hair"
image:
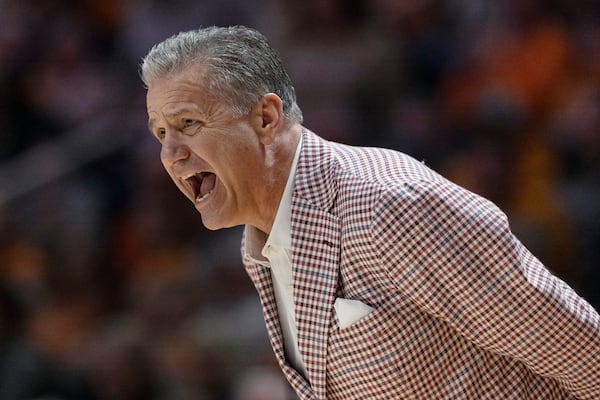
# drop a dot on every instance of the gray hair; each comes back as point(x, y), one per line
point(241, 66)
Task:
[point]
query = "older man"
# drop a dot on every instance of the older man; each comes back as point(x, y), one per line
point(379, 279)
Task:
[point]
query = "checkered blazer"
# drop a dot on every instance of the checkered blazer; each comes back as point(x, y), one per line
point(462, 309)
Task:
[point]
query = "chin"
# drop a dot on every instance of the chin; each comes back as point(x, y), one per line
point(214, 224)
point(211, 226)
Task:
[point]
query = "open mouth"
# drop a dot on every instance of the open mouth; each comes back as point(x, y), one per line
point(202, 184)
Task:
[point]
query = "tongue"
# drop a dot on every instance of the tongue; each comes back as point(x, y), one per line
point(208, 184)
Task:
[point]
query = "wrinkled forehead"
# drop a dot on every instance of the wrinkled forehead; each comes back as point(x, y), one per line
point(187, 84)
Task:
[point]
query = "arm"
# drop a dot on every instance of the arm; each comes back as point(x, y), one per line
point(453, 254)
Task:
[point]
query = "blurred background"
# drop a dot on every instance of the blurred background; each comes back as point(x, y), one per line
point(110, 288)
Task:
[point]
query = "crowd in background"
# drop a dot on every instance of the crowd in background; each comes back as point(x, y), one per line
point(110, 288)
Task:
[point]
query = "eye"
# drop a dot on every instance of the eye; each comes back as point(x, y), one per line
point(160, 134)
point(190, 126)
point(189, 122)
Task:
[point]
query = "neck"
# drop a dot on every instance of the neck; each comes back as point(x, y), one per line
point(279, 157)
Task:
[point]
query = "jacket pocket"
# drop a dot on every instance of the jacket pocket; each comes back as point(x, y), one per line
point(349, 311)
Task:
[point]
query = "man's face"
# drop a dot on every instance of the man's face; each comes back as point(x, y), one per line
point(212, 156)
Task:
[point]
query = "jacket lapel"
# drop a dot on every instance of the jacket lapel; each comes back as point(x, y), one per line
point(315, 261)
point(260, 274)
point(261, 277)
point(315, 255)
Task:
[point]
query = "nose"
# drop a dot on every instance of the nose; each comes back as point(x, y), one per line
point(173, 149)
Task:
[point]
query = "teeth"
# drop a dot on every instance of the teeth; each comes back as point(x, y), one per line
point(190, 175)
point(199, 198)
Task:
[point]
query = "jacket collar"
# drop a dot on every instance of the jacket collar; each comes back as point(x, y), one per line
point(315, 173)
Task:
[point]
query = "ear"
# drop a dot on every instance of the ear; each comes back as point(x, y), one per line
point(268, 117)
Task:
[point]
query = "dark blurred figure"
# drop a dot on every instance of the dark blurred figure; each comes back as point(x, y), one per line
point(24, 372)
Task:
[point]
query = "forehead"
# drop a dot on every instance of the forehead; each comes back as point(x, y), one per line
point(173, 89)
point(176, 94)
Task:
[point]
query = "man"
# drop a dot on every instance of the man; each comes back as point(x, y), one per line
point(378, 278)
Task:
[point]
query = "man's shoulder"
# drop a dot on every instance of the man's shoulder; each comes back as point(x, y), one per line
point(386, 167)
point(350, 175)
point(363, 160)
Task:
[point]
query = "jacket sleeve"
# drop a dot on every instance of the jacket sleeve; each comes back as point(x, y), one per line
point(453, 254)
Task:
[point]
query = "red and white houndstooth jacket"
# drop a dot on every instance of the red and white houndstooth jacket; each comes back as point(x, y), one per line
point(462, 309)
